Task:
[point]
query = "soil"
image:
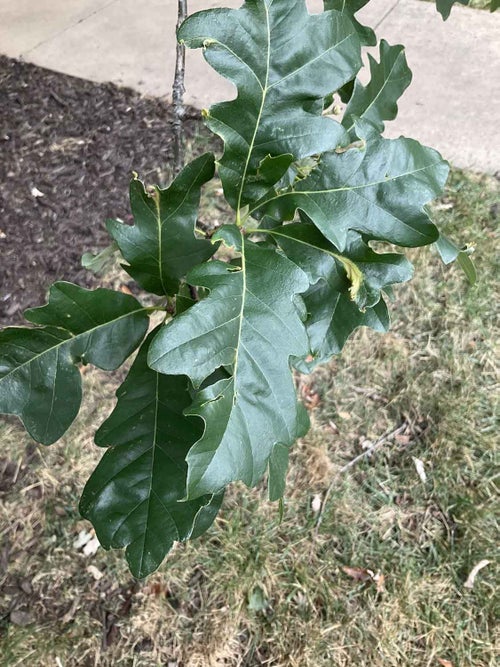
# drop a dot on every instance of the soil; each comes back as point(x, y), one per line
point(68, 148)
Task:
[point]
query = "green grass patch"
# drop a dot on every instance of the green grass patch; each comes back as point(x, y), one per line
point(378, 583)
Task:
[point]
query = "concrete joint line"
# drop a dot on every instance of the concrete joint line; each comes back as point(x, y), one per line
point(388, 12)
point(69, 27)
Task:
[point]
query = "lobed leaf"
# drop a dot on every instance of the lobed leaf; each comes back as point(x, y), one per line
point(444, 6)
point(377, 101)
point(161, 247)
point(335, 305)
point(39, 378)
point(350, 8)
point(333, 317)
point(249, 324)
point(133, 496)
point(358, 270)
point(376, 186)
point(283, 62)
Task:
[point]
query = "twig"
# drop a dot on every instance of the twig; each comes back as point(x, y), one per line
point(178, 91)
point(372, 395)
point(388, 435)
point(376, 445)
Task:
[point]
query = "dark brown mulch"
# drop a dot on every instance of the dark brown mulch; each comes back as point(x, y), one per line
point(75, 142)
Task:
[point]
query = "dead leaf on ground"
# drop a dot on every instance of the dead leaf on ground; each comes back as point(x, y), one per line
point(420, 468)
point(334, 427)
point(21, 618)
point(364, 574)
point(357, 573)
point(473, 573)
point(316, 503)
point(445, 663)
point(84, 536)
point(379, 580)
point(90, 549)
point(95, 572)
point(310, 397)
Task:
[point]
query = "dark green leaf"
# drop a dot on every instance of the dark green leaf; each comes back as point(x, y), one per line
point(278, 466)
point(332, 313)
point(444, 6)
point(345, 93)
point(377, 187)
point(349, 8)
point(358, 269)
point(448, 251)
point(161, 247)
point(283, 62)
point(272, 169)
point(249, 323)
point(39, 381)
point(377, 101)
point(133, 496)
point(333, 318)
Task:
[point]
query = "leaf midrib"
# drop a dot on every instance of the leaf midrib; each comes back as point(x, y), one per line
point(73, 338)
point(259, 116)
point(350, 188)
point(151, 491)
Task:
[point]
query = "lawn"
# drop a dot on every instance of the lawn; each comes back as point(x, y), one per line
point(367, 566)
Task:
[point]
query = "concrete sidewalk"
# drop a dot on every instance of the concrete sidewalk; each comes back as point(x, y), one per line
point(453, 103)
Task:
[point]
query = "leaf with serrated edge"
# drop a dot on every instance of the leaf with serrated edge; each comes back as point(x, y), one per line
point(39, 381)
point(377, 187)
point(283, 62)
point(377, 101)
point(132, 497)
point(350, 8)
point(248, 323)
point(161, 247)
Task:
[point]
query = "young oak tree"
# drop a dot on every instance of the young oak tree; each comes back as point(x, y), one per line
point(210, 397)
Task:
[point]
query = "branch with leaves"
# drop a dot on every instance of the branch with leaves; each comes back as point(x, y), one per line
point(210, 398)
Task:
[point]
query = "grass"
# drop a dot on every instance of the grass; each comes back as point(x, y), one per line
point(255, 591)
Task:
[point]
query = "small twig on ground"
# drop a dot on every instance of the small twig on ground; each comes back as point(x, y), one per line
point(388, 435)
point(376, 445)
point(178, 91)
point(369, 394)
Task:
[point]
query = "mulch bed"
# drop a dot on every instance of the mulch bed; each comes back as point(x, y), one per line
point(68, 147)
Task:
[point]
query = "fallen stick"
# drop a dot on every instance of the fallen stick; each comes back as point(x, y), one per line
point(368, 452)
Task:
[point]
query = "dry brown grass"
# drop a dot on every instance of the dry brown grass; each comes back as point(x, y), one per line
point(255, 591)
